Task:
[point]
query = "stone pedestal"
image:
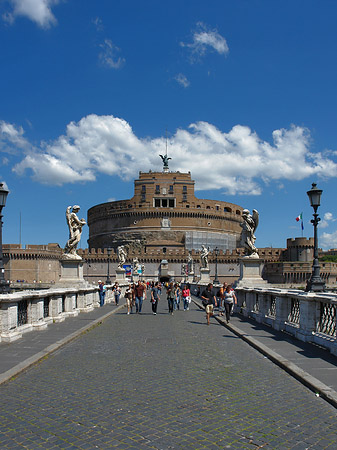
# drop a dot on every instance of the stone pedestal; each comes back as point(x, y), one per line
point(71, 273)
point(190, 277)
point(250, 273)
point(204, 276)
point(120, 274)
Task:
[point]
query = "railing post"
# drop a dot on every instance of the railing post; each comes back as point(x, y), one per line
point(37, 316)
point(309, 317)
point(55, 308)
point(282, 312)
point(9, 321)
point(70, 304)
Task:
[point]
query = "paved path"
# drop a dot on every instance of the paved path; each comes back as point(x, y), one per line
point(161, 382)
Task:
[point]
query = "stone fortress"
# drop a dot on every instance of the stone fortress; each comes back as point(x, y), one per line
point(161, 225)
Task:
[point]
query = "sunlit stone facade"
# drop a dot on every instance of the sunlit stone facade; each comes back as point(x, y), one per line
point(164, 212)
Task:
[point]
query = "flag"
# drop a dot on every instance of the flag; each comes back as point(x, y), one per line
point(300, 218)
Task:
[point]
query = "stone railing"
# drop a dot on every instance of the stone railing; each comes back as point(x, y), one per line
point(308, 316)
point(25, 311)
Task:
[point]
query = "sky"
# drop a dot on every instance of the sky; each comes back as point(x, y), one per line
point(242, 92)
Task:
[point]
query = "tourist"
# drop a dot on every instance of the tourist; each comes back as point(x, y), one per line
point(208, 300)
point(170, 297)
point(176, 296)
point(139, 295)
point(117, 292)
point(102, 291)
point(229, 301)
point(186, 294)
point(129, 299)
point(155, 298)
point(220, 295)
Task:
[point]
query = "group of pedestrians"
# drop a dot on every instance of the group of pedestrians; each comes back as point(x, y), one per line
point(176, 294)
point(225, 300)
point(116, 292)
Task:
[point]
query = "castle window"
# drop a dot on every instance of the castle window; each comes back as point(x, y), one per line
point(171, 203)
point(164, 249)
point(171, 189)
point(184, 197)
point(226, 209)
point(143, 188)
point(164, 202)
point(157, 202)
point(184, 188)
point(198, 206)
point(217, 207)
point(157, 189)
point(143, 197)
point(208, 207)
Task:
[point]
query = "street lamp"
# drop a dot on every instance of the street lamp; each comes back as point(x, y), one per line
point(315, 284)
point(4, 288)
point(216, 252)
point(108, 281)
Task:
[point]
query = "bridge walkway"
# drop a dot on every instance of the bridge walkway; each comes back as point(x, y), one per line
point(160, 382)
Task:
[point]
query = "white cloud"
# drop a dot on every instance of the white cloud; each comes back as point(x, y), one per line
point(182, 80)
point(98, 24)
point(109, 55)
point(107, 144)
point(205, 40)
point(328, 217)
point(11, 138)
point(328, 240)
point(39, 11)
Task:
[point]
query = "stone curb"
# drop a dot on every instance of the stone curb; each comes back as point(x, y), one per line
point(319, 388)
point(14, 371)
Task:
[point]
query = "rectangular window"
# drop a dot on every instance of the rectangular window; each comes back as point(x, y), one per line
point(164, 203)
point(171, 202)
point(157, 189)
point(157, 202)
point(184, 188)
point(171, 189)
point(143, 197)
point(143, 188)
point(184, 197)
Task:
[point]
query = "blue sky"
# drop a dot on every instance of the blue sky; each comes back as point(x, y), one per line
point(246, 90)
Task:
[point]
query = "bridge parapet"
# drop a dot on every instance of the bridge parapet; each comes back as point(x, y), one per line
point(25, 311)
point(310, 317)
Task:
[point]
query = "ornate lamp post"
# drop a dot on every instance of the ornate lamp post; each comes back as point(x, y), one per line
point(4, 288)
point(216, 252)
point(315, 284)
point(108, 281)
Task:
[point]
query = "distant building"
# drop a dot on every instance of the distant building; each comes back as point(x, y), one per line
point(165, 214)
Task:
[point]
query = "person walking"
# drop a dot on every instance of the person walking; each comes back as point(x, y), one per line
point(170, 297)
point(229, 301)
point(221, 296)
point(102, 291)
point(139, 294)
point(129, 299)
point(186, 295)
point(177, 293)
point(155, 298)
point(117, 292)
point(208, 300)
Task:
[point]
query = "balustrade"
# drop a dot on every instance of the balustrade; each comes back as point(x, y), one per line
point(27, 310)
point(310, 317)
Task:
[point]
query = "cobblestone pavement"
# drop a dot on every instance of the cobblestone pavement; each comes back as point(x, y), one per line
point(161, 382)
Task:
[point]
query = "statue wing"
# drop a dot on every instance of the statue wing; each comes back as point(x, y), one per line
point(162, 157)
point(255, 218)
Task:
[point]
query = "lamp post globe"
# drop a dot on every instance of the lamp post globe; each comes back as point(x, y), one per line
point(315, 283)
point(4, 287)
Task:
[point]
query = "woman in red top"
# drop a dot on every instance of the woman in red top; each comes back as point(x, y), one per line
point(186, 294)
